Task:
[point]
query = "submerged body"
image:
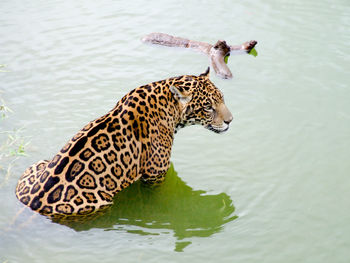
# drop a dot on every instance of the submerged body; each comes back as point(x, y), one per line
point(132, 141)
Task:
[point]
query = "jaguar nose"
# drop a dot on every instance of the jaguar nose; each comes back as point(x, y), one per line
point(228, 119)
point(226, 115)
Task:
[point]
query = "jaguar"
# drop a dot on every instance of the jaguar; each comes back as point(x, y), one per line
point(131, 142)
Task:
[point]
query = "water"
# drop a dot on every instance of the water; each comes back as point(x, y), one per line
point(274, 188)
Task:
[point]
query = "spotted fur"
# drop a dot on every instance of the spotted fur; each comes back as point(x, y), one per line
point(132, 141)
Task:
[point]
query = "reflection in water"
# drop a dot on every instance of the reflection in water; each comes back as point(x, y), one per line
point(170, 206)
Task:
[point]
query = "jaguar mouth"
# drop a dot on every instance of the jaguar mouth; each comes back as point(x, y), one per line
point(218, 129)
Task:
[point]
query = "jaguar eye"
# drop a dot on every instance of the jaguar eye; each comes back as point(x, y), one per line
point(208, 108)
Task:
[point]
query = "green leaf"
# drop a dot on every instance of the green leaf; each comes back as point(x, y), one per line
point(253, 52)
point(226, 58)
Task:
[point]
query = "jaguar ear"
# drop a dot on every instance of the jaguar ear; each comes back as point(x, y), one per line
point(180, 95)
point(206, 73)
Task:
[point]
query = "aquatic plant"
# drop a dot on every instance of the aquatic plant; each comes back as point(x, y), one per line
point(12, 144)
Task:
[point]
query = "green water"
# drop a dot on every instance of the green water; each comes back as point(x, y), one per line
point(274, 188)
point(174, 207)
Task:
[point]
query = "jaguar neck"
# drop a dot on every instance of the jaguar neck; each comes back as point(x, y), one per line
point(162, 103)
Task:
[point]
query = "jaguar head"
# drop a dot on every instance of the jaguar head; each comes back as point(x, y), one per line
point(201, 103)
